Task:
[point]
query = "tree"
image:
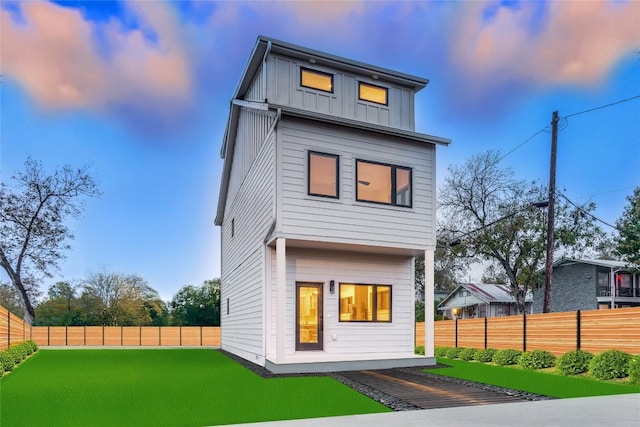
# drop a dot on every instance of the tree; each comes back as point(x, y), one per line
point(197, 306)
point(628, 240)
point(116, 299)
point(494, 215)
point(10, 299)
point(33, 218)
point(448, 266)
point(61, 308)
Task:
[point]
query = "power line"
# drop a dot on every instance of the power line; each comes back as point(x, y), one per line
point(588, 213)
point(522, 143)
point(602, 106)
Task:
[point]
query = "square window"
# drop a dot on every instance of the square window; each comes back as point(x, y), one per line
point(381, 183)
point(316, 80)
point(372, 93)
point(323, 176)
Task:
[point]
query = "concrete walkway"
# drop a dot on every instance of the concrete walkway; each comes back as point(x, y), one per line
point(621, 410)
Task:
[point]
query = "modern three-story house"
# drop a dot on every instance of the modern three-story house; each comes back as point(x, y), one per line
point(327, 195)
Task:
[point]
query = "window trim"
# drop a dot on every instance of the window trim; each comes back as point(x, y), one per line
point(394, 189)
point(312, 71)
point(336, 157)
point(374, 303)
point(386, 91)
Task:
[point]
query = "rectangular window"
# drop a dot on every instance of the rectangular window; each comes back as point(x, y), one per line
point(316, 80)
point(382, 183)
point(365, 303)
point(372, 93)
point(323, 176)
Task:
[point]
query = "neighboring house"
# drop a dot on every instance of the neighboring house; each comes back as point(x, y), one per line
point(471, 300)
point(585, 284)
point(327, 194)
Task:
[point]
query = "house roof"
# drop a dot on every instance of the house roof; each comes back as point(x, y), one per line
point(489, 293)
point(264, 46)
point(598, 262)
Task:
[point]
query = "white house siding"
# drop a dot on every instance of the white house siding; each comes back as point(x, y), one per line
point(320, 266)
point(256, 91)
point(283, 83)
point(251, 211)
point(253, 127)
point(344, 220)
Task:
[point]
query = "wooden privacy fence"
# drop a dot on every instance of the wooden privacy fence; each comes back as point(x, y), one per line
point(139, 336)
point(558, 333)
point(12, 329)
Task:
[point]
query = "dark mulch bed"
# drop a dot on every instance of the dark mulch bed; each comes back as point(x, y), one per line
point(387, 400)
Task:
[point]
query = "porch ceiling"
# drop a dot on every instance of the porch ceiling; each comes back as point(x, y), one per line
point(347, 247)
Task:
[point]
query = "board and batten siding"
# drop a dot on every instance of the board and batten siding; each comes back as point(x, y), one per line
point(283, 88)
point(345, 220)
point(321, 266)
point(243, 256)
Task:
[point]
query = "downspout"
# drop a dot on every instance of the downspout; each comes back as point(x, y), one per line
point(613, 287)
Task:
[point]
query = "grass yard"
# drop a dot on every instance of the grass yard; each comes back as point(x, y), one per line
point(539, 382)
point(170, 387)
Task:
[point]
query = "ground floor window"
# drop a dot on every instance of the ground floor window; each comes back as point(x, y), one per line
point(365, 303)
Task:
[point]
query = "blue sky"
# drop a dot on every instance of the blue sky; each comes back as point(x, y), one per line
point(140, 91)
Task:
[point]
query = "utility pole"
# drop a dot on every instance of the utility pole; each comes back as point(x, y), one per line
point(546, 307)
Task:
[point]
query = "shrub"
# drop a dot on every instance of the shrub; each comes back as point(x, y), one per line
point(27, 348)
point(485, 355)
point(454, 352)
point(537, 359)
point(467, 354)
point(419, 350)
point(506, 357)
point(634, 370)
point(610, 364)
point(574, 362)
point(6, 361)
point(442, 351)
point(33, 345)
point(16, 353)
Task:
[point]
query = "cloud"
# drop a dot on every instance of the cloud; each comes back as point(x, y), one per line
point(66, 61)
point(497, 48)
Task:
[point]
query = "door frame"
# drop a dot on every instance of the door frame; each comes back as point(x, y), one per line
point(320, 344)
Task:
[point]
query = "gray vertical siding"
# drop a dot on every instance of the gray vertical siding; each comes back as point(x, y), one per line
point(345, 220)
point(283, 88)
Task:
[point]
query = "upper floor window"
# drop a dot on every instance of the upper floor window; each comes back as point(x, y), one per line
point(372, 93)
point(316, 80)
point(382, 183)
point(365, 303)
point(323, 175)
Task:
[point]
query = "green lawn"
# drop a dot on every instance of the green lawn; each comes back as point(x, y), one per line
point(538, 382)
point(182, 387)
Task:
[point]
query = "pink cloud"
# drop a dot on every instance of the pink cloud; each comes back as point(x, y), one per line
point(576, 42)
point(53, 54)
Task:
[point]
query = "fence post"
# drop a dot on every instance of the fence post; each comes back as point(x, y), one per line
point(200, 335)
point(524, 331)
point(456, 332)
point(180, 335)
point(48, 335)
point(485, 332)
point(578, 330)
point(103, 335)
point(8, 329)
point(160, 336)
point(84, 335)
point(66, 335)
point(121, 335)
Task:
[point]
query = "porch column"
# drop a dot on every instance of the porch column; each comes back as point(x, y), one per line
point(281, 299)
point(429, 336)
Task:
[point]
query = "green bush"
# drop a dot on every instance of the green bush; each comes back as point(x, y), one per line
point(634, 370)
point(33, 345)
point(419, 350)
point(27, 348)
point(485, 355)
point(454, 352)
point(467, 354)
point(536, 359)
point(442, 351)
point(573, 362)
point(16, 353)
point(610, 364)
point(6, 361)
point(507, 357)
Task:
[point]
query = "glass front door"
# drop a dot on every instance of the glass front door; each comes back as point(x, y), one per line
point(308, 316)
